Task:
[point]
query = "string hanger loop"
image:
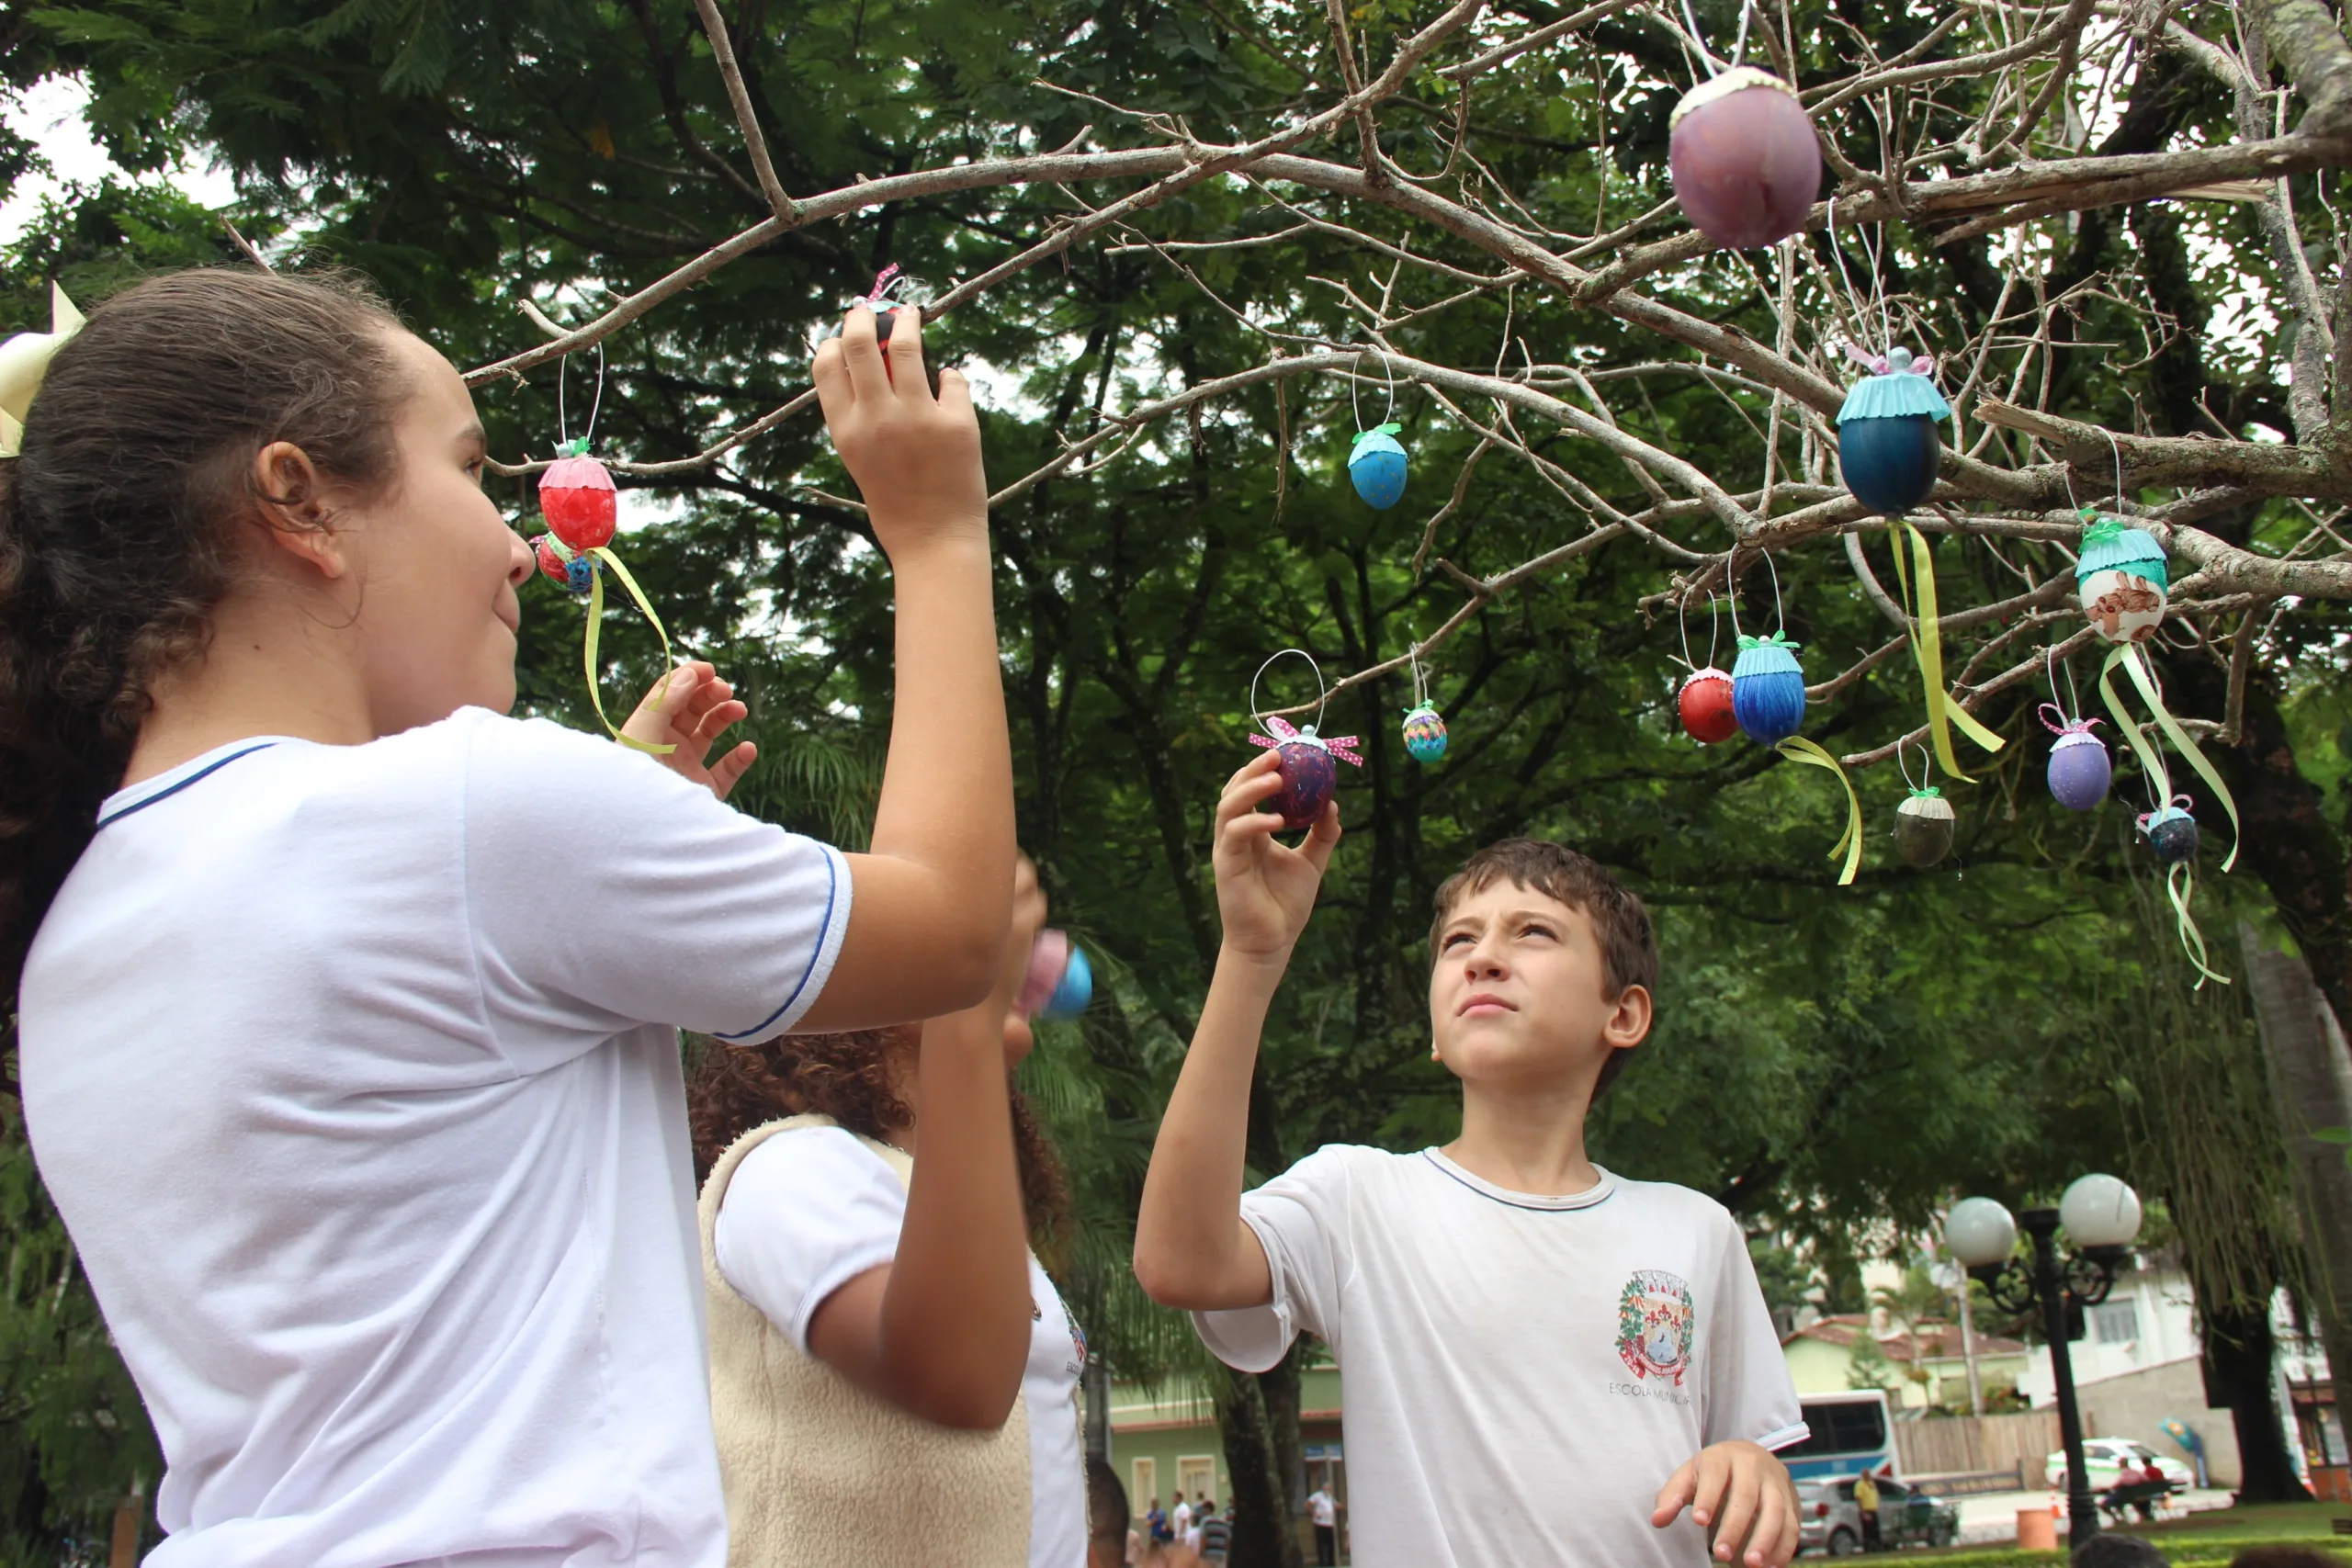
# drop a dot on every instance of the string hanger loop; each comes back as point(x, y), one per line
point(1322, 693)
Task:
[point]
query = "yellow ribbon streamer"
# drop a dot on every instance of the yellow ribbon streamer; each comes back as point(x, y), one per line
point(1797, 749)
point(2152, 757)
point(2192, 941)
point(1925, 630)
point(588, 643)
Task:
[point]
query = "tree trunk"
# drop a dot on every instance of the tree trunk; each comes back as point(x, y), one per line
point(1259, 1465)
point(2311, 1082)
point(2239, 1353)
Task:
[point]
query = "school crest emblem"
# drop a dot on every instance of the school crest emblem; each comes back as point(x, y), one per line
point(1656, 1323)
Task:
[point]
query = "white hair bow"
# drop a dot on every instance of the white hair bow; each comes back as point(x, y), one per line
point(24, 360)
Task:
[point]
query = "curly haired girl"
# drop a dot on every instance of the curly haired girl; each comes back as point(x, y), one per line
point(893, 1375)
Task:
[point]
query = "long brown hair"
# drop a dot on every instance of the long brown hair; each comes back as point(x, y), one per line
point(116, 524)
point(850, 1077)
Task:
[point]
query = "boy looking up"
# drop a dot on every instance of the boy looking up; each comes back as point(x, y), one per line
point(1545, 1364)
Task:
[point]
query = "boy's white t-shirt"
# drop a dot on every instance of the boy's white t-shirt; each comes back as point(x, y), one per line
point(810, 1209)
point(354, 1072)
point(1522, 1373)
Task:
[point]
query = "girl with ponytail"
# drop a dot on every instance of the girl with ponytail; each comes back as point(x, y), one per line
point(346, 1007)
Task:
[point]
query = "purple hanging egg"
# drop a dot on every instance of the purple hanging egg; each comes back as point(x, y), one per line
point(1307, 770)
point(1747, 161)
point(2079, 769)
point(1309, 777)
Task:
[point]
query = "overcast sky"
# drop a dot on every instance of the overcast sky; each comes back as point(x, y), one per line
point(51, 115)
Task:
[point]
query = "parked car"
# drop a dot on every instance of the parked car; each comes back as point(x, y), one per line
point(1828, 1523)
point(2106, 1458)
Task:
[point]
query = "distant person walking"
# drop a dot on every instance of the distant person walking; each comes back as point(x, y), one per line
point(1216, 1536)
point(1325, 1511)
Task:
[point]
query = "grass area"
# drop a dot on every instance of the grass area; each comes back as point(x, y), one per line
point(2201, 1540)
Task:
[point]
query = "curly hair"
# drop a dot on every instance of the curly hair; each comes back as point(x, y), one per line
point(117, 518)
point(852, 1076)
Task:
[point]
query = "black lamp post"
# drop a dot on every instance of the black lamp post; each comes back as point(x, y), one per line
point(2100, 1216)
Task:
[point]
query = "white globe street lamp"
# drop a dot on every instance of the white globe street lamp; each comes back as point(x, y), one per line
point(1980, 1231)
point(2099, 1213)
point(2101, 1217)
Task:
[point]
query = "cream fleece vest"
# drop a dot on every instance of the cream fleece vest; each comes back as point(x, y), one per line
point(818, 1473)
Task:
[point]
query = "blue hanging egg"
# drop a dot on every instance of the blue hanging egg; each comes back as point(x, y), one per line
point(1377, 466)
point(1888, 451)
point(1424, 734)
point(2171, 832)
point(1073, 991)
point(1768, 689)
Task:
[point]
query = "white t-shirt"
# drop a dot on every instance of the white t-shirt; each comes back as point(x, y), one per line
point(1321, 1509)
point(810, 1209)
point(1522, 1373)
point(353, 1070)
point(1183, 1518)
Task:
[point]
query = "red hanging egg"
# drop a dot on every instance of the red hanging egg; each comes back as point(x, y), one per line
point(1747, 161)
point(1705, 704)
point(577, 496)
point(576, 572)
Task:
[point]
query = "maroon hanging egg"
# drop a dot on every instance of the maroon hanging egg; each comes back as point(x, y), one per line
point(576, 494)
point(1747, 161)
point(1308, 771)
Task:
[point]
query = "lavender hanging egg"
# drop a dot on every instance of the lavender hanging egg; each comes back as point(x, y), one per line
point(2080, 770)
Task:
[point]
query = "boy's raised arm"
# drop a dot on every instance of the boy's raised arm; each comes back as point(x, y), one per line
point(1192, 1251)
point(927, 923)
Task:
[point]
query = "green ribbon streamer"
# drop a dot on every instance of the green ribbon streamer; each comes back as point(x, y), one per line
point(1778, 639)
point(588, 644)
point(1925, 630)
point(2152, 757)
point(1797, 749)
point(2181, 886)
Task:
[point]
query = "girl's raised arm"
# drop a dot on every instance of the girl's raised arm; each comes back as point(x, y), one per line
point(930, 903)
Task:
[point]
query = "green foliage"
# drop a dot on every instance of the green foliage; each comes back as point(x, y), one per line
point(73, 1436)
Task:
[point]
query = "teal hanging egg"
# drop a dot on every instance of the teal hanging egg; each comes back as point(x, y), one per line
point(1888, 451)
point(1377, 466)
point(1424, 733)
point(2122, 579)
point(1768, 689)
point(2171, 831)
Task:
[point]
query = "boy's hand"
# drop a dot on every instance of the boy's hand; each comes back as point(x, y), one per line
point(690, 708)
point(1742, 1495)
point(1265, 890)
point(916, 458)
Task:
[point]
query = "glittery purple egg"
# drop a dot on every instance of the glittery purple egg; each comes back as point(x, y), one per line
point(2079, 769)
point(1308, 775)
